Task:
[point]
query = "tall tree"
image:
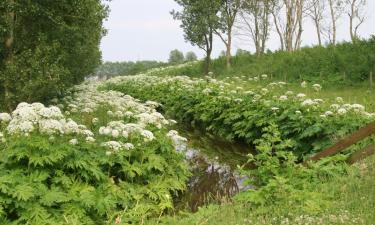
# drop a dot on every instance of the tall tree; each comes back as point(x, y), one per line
point(199, 20)
point(316, 13)
point(190, 56)
point(227, 16)
point(255, 19)
point(356, 13)
point(290, 26)
point(336, 8)
point(176, 57)
point(8, 50)
point(47, 47)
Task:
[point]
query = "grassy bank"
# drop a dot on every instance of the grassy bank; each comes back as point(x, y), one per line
point(345, 63)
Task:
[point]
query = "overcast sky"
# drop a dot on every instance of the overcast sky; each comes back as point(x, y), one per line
point(145, 30)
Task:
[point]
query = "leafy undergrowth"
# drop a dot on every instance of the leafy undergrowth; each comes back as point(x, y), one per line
point(347, 197)
point(106, 158)
point(240, 114)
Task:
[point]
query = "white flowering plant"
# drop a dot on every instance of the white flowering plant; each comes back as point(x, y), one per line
point(80, 164)
point(240, 114)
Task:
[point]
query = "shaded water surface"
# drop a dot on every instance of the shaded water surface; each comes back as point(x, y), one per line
point(213, 164)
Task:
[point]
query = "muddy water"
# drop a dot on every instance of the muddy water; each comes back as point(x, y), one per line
point(213, 164)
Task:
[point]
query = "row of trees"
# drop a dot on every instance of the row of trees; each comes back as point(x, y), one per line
point(111, 69)
point(203, 19)
point(178, 57)
point(46, 47)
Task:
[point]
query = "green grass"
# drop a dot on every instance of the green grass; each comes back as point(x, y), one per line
point(352, 201)
point(360, 93)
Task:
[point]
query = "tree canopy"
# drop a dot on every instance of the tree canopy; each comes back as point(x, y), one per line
point(47, 46)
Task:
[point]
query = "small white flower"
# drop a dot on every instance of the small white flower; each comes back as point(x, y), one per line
point(5, 117)
point(335, 106)
point(264, 91)
point(148, 135)
point(301, 95)
point(95, 120)
point(90, 139)
point(328, 113)
point(339, 100)
point(128, 146)
point(304, 84)
point(289, 93)
point(308, 102)
point(73, 141)
point(283, 98)
point(317, 87)
point(109, 113)
point(115, 133)
point(207, 91)
point(342, 111)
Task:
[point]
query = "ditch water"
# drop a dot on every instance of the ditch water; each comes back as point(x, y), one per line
point(213, 164)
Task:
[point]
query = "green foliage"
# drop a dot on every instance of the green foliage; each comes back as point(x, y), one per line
point(239, 116)
point(47, 180)
point(176, 57)
point(280, 180)
point(47, 47)
point(111, 69)
point(346, 63)
point(190, 57)
point(286, 193)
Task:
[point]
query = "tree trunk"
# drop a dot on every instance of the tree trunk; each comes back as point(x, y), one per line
point(209, 41)
point(333, 18)
point(278, 31)
point(229, 48)
point(351, 20)
point(299, 17)
point(207, 66)
point(317, 26)
point(8, 59)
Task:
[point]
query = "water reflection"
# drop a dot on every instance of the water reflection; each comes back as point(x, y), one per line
point(213, 179)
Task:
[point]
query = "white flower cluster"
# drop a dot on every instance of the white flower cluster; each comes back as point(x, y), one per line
point(317, 87)
point(228, 91)
point(5, 117)
point(115, 146)
point(175, 137)
point(27, 118)
point(88, 100)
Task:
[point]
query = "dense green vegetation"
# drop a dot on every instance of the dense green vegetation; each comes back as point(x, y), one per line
point(105, 159)
point(46, 47)
point(100, 156)
point(342, 63)
point(239, 114)
point(327, 192)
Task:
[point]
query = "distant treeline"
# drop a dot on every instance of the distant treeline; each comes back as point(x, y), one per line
point(343, 62)
point(111, 69)
point(46, 47)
